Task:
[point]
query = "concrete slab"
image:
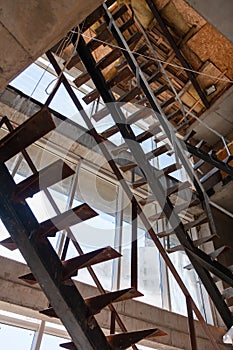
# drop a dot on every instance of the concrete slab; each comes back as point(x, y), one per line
point(29, 28)
point(10, 54)
point(223, 197)
point(219, 117)
point(135, 315)
point(217, 12)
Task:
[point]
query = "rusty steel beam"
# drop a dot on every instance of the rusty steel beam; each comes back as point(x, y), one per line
point(71, 266)
point(97, 303)
point(130, 195)
point(124, 340)
point(134, 242)
point(63, 221)
point(27, 133)
point(139, 156)
point(45, 264)
point(191, 324)
point(42, 179)
point(206, 157)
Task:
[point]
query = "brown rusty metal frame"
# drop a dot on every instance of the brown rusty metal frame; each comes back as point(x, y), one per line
point(134, 243)
point(115, 316)
point(45, 264)
point(127, 190)
point(202, 268)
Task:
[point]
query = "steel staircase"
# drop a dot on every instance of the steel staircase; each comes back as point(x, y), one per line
point(53, 273)
point(155, 99)
point(146, 174)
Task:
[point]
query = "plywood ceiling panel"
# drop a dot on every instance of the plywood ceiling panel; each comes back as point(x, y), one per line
point(211, 45)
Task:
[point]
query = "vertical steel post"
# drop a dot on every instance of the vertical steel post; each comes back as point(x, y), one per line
point(37, 339)
point(191, 323)
point(134, 243)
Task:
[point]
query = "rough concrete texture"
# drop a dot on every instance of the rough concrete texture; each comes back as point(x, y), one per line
point(219, 117)
point(29, 28)
point(217, 12)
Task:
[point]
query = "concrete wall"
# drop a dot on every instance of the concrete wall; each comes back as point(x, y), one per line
point(134, 314)
point(29, 28)
point(217, 12)
point(219, 117)
point(224, 226)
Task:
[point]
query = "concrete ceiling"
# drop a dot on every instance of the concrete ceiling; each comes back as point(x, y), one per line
point(216, 12)
point(218, 117)
point(30, 28)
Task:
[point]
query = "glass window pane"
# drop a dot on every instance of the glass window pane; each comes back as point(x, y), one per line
point(14, 255)
point(15, 338)
point(52, 342)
